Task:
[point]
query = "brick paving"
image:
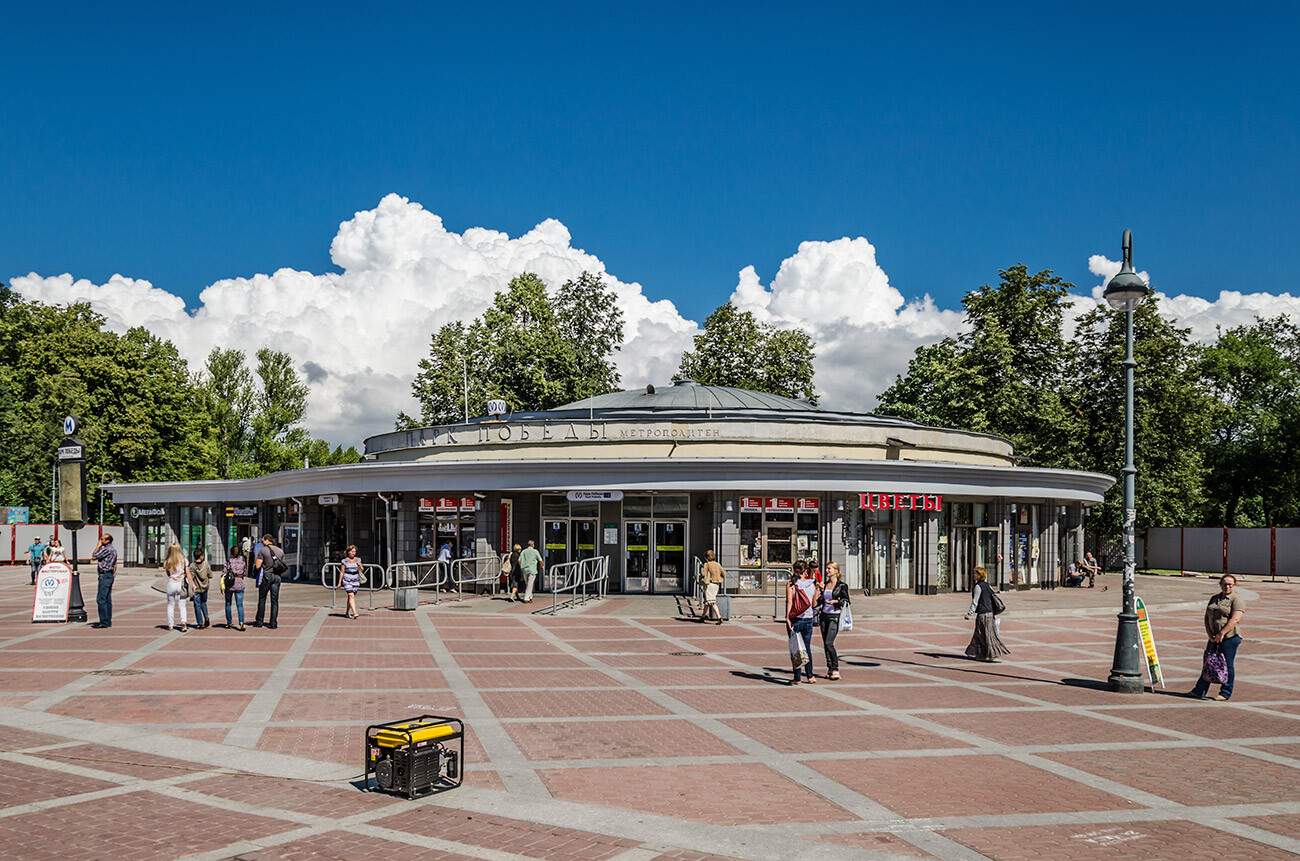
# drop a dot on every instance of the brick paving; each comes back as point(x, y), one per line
point(593, 736)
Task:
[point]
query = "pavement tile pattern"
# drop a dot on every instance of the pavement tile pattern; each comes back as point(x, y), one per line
point(620, 731)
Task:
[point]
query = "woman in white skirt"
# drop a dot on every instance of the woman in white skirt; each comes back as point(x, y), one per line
point(177, 573)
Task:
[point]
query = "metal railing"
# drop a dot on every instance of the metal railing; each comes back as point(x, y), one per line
point(475, 571)
point(372, 577)
point(750, 585)
point(432, 574)
point(583, 579)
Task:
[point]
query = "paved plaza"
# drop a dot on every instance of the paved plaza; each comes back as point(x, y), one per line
point(623, 730)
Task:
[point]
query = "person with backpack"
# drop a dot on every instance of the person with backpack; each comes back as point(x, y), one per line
point(985, 645)
point(201, 572)
point(232, 584)
point(269, 568)
point(801, 597)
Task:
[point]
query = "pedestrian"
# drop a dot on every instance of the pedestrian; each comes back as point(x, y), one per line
point(801, 597)
point(985, 645)
point(835, 598)
point(1222, 614)
point(201, 572)
point(178, 575)
point(232, 583)
point(269, 559)
point(54, 551)
point(533, 564)
point(814, 570)
point(105, 557)
point(1090, 565)
point(36, 556)
point(714, 576)
point(351, 579)
point(516, 573)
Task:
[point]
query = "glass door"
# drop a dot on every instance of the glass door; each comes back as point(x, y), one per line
point(583, 538)
point(670, 557)
point(986, 553)
point(153, 539)
point(777, 545)
point(882, 559)
point(963, 557)
point(555, 548)
point(636, 558)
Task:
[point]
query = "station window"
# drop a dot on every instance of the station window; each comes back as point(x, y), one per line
point(775, 531)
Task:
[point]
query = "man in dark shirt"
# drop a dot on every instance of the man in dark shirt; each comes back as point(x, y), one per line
point(105, 557)
point(268, 582)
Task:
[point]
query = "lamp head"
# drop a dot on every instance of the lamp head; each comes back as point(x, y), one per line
point(1125, 289)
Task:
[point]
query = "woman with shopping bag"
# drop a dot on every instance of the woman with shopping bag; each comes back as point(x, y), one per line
point(801, 597)
point(1222, 615)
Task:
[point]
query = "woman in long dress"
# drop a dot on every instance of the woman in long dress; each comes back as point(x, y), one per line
point(984, 643)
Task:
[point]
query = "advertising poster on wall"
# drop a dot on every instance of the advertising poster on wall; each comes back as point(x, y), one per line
point(53, 591)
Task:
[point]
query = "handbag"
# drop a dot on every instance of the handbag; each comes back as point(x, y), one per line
point(798, 655)
point(1214, 665)
point(846, 619)
point(998, 606)
point(187, 591)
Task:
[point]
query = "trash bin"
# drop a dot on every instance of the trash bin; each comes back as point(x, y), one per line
point(724, 605)
point(406, 598)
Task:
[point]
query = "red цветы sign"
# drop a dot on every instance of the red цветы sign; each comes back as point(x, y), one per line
point(900, 502)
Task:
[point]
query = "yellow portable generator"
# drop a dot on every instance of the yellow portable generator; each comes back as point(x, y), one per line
point(416, 757)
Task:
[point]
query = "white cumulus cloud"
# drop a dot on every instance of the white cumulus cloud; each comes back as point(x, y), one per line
point(865, 330)
point(357, 334)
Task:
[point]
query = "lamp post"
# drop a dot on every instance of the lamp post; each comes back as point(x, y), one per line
point(1123, 293)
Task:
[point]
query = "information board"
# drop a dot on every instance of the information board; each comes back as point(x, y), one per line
point(1149, 645)
point(53, 591)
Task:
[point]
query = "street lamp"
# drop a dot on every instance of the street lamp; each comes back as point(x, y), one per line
point(1123, 293)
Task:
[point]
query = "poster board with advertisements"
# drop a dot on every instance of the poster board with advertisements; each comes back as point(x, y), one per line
point(53, 592)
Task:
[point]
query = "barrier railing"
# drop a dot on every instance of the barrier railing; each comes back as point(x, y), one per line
point(582, 579)
point(751, 585)
point(372, 577)
point(420, 575)
point(474, 571)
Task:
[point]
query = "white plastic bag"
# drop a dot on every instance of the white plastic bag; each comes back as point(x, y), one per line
point(846, 619)
point(798, 655)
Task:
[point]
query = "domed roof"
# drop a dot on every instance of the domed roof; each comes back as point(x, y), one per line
point(690, 395)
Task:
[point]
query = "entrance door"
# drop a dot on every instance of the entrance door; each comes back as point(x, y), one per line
point(636, 556)
point(670, 557)
point(986, 553)
point(963, 557)
point(153, 541)
point(334, 532)
point(882, 559)
point(555, 548)
point(778, 545)
point(583, 538)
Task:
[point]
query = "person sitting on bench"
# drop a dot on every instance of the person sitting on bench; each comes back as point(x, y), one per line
point(1074, 575)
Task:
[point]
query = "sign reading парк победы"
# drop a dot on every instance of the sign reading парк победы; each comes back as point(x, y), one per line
point(900, 502)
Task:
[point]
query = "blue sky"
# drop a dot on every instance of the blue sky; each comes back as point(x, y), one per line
point(677, 142)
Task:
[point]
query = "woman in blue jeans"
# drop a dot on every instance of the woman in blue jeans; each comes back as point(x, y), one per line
point(1222, 615)
point(232, 583)
point(802, 591)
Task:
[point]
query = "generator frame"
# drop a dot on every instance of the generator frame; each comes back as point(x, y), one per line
point(410, 728)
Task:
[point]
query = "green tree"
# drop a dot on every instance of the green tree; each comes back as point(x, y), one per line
point(530, 350)
point(1005, 375)
point(1171, 416)
point(227, 388)
point(142, 419)
point(738, 351)
point(1252, 374)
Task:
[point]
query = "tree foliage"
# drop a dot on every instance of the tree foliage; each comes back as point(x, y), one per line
point(532, 350)
point(144, 417)
point(738, 351)
point(1005, 375)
